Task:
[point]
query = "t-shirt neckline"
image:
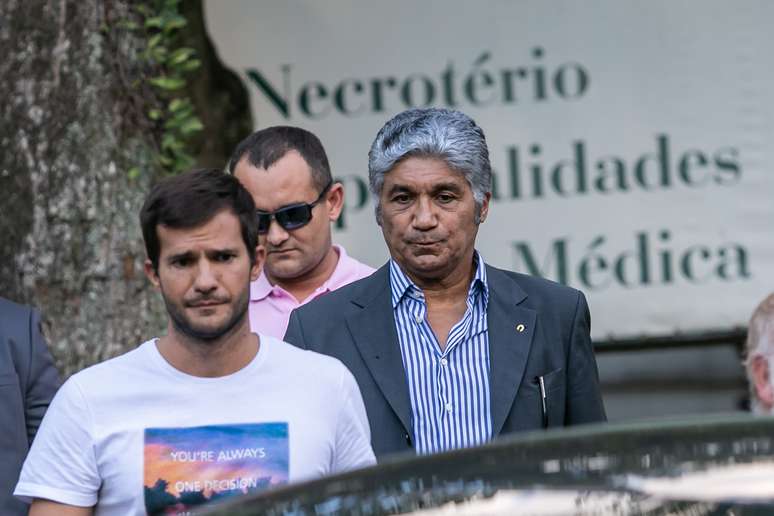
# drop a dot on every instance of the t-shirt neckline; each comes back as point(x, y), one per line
point(151, 349)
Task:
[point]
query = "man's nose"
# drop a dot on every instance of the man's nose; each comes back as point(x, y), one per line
point(276, 234)
point(425, 216)
point(206, 277)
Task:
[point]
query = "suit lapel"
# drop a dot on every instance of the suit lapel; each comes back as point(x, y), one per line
point(373, 330)
point(511, 328)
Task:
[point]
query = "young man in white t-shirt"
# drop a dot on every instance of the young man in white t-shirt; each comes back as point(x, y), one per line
point(209, 410)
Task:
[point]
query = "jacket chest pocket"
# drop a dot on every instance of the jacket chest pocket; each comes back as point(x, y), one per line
point(534, 400)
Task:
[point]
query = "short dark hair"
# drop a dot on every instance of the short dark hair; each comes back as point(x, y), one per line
point(191, 199)
point(265, 147)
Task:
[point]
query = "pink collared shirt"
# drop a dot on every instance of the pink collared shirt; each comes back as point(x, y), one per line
point(270, 305)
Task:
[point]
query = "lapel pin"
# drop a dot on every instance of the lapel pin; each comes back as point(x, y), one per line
point(520, 328)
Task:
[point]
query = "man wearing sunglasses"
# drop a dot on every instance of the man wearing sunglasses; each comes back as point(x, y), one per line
point(286, 171)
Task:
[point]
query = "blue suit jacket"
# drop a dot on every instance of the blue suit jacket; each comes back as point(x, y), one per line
point(356, 325)
point(28, 381)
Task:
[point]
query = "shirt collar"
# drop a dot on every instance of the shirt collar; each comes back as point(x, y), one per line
point(341, 274)
point(262, 288)
point(401, 285)
point(479, 283)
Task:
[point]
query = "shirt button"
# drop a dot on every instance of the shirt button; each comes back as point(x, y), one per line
point(418, 318)
point(444, 361)
point(449, 408)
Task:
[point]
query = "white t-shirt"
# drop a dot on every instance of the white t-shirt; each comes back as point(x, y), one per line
point(134, 432)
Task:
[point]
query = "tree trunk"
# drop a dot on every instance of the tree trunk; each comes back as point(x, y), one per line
point(71, 242)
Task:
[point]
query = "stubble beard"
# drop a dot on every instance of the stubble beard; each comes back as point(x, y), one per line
point(300, 268)
point(183, 325)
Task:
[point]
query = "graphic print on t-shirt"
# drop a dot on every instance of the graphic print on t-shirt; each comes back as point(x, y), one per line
point(185, 467)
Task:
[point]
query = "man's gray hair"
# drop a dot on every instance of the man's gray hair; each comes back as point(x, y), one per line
point(444, 134)
point(760, 343)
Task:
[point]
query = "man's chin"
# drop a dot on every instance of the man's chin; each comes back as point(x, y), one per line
point(283, 270)
point(207, 332)
point(281, 259)
point(428, 261)
point(428, 267)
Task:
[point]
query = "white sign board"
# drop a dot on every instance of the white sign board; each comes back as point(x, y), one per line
point(632, 141)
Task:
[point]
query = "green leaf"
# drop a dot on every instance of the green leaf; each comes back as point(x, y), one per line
point(170, 142)
point(182, 112)
point(168, 83)
point(174, 123)
point(183, 162)
point(174, 22)
point(159, 54)
point(177, 104)
point(154, 114)
point(128, 25)
point(165, 160)
point(179, 117)
point(189, 65)
point(191, 126)
point(133, 173)
point(154, 22)
point(180, 55)
point(154, 40)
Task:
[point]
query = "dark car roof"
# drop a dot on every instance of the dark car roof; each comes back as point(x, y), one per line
point(713, 465)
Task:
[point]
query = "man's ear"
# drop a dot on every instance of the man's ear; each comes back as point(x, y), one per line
point(260, 257)
point(761, 380)
point(335, 201)
point(151, 273)
point(484, 208)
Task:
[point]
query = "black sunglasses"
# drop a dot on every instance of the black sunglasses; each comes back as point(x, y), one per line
point(290, 217)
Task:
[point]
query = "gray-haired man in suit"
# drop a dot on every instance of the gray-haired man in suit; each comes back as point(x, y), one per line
point(450, 352)
point(28, 381)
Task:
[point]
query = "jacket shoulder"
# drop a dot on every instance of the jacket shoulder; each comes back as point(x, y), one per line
point(15, 320)
point(13, 313)
point(539, 291)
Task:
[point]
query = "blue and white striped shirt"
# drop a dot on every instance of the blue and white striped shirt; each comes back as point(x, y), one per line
point(449, 390)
